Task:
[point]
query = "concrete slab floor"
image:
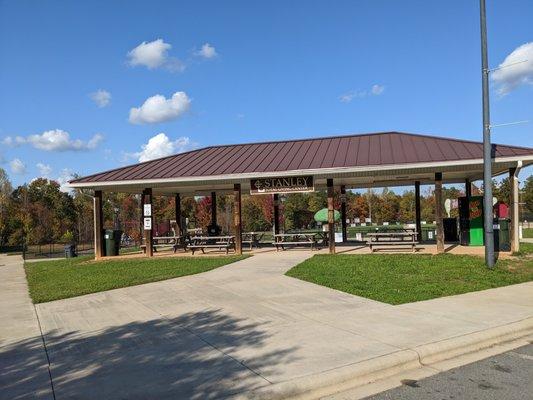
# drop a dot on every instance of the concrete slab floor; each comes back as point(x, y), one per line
point(230, 330)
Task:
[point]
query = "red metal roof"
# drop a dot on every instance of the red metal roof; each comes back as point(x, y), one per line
point(328, 152)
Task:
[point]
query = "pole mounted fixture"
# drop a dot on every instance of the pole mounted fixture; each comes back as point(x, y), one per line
point(487, 147)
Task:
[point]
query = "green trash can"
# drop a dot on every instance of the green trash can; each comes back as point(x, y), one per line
point(428, 234)
point(502, 238)
point(112, 241)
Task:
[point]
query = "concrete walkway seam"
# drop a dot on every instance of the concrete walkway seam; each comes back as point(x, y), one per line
point(368, 371)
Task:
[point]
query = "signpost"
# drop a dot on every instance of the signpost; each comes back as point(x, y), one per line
point(290, 184)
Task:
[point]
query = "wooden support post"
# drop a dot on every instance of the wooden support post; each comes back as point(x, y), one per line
point(513, 214)
point(177, 206)
point(213, 208)
point(148, 235)
point(438, 212)
point(331, 218)
point(98, 225)
point(141, 218)
point(468, 188)
point(418, 217)
point(237, 220)
point(276, 213)
point(343, 214)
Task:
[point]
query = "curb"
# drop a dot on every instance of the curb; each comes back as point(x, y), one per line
point(368, 371)
point(432, 353)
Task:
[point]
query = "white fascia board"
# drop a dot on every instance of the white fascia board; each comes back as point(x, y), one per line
point(317, 173)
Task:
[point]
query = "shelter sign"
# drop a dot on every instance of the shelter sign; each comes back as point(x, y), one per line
point(147, 210)
point(289, 184)
point(147, 224)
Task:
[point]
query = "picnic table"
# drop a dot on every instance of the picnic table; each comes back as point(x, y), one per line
point(381, 240)
point(296, 239)
point(174, 242)
point(203, 242)
point(252, 238)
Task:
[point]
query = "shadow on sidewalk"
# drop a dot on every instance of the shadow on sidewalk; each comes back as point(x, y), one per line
point(200, 355)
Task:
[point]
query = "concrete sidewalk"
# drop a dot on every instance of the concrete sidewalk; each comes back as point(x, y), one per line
point(246, 330)
point(23, 363)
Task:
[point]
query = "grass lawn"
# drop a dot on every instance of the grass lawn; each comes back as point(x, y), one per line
point(53, 280)
point(527, 233)
point(525, 249)
point(405, 278)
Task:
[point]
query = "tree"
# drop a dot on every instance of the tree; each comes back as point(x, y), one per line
point(357, 207)
point(5, 192)
point(502, 190)
point(406, 207)
point(296, 211)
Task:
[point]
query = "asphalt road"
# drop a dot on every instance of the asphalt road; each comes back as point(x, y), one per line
point(508, 376)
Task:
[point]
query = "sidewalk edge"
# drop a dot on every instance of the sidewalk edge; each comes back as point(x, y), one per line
point(368, 371)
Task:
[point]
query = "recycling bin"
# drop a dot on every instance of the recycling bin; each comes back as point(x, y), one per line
point(112, 241)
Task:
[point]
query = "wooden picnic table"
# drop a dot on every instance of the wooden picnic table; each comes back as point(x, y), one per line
point(393, 239)
point(296, 239)
point(203, 242)
point(252, 238)
point(174, 242)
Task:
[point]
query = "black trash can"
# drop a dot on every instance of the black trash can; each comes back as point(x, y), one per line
point(112, 241)
point(70, 251)
point(450, 230)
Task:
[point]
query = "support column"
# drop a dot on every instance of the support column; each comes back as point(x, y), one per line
point(177, 205)
point(148, 235)
point(438, 212)
point(331, 218)
point(343, 214)
point(237, 220)
point(213, 208)
point(468, 188)
point(513, 214)
point(418, 218)
point(276, 213)
point(98, 225)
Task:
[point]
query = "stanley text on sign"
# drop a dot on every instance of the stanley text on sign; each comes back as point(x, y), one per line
point(290, 184)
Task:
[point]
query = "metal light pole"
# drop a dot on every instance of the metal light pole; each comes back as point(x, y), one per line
point(487, 148)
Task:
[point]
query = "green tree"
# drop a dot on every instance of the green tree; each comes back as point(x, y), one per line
point(5, 197)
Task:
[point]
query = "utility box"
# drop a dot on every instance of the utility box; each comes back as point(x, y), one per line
point(501, 210)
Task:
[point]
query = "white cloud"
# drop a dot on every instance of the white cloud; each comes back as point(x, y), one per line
point(160, 145)
point(64, 177)
point(101, 97)
point(509, 77)
point(154, 55)
point(44, 169)
point(17, 166)
point(375, 90)
point(54, 140)
point(159, 109)
point(206, 51)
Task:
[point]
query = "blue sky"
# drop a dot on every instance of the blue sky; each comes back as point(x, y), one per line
point(246, 71)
